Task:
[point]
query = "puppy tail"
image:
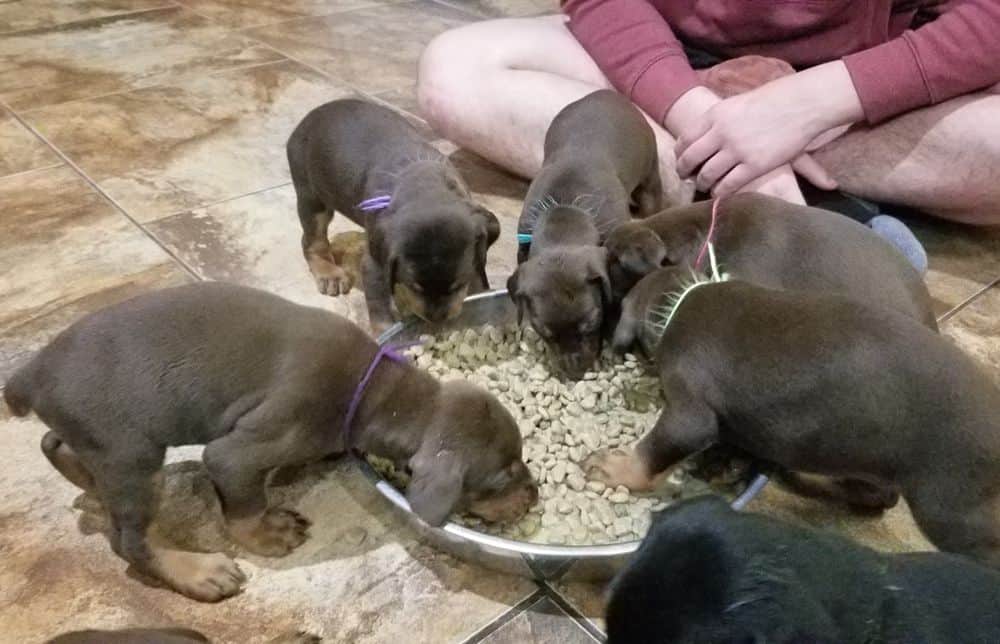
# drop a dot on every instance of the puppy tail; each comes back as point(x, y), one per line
point(17, 392)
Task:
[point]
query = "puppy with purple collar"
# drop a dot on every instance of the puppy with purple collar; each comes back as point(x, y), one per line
point(600, 167)
point(262, 383)
point(427, 238)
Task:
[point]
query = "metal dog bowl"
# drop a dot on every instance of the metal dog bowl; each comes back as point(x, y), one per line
point(539, 561)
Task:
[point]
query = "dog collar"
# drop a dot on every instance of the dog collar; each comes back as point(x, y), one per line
point(385, 351)
point(374, 204)
point(524, 238)
point(710, 237)
point(659, 317)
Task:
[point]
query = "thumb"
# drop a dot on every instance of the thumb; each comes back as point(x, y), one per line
point(813, 172)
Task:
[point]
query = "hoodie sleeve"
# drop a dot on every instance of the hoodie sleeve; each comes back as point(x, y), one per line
point(956, 54)
point(633, 45)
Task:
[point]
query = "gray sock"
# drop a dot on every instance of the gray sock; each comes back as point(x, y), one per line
point(896, 233)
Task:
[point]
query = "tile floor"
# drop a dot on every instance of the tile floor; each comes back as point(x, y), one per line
point(141, 146)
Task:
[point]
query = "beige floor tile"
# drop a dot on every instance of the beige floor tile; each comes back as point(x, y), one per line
point(20, 150)
point(254, 13)
point(372, 49)
point(976, 330)
point(363, 576)
point(118, 53)
point(66, 252)
point(254, 241)
point(24, 15)
point(542, 623)
point(962, 260)
point(587, 597)
point(507, 8)
point(164, 150)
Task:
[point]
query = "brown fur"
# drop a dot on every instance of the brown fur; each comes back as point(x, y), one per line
point(262, 383)
point(432, 238)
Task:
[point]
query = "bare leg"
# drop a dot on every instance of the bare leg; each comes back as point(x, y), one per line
point(493, 87)
point(944, 159)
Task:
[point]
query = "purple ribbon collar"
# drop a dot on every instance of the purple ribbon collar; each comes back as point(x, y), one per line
point(375, 204)
point(385, 351)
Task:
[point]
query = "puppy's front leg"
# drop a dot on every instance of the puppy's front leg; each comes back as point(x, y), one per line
point(378, 295)
point(331, 279)
point(238, 464)
point(687, 425)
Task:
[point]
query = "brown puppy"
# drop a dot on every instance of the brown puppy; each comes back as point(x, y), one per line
point(427, 239)
point(263, 383)
point(770, 242)
point(162, 636)
point(132, 636)
point(825, 384)
point(600, 164)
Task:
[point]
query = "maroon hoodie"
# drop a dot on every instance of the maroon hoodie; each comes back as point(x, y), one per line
point(894, 68)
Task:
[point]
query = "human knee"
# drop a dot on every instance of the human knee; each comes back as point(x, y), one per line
point(445, 63)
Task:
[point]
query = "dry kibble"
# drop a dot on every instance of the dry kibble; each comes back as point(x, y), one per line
point(562, 422)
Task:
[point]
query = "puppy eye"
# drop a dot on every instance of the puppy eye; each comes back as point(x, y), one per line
point(417, 288)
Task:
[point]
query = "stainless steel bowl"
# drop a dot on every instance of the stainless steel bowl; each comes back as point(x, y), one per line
point(534, 560)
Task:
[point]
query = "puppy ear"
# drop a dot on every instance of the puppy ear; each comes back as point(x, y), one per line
point(515, 294)
point(489, 231)
point(597, 272)
point(628, 327)
point(436, 486)
point(491, 225)
point(681, 246)
point(643, 253)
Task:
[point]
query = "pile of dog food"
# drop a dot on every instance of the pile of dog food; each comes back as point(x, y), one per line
point(562, 422)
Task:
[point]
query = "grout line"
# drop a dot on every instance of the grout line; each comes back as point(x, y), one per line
point(466, 10)
point(966, 302)
point(211, 204)
point(177, 82)
point(50, 166)
point(190, 271)
point(581, 620)
point(242, 30)
point(167, 4)
point(506, 617)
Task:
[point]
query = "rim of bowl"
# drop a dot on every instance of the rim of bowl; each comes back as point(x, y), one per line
point(756, 484)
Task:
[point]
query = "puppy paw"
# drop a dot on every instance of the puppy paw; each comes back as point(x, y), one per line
point(204, 577)
point(618, 466)
point(274, 534)
point(331, 279)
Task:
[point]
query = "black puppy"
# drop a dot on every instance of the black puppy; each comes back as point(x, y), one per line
point(769, 242)
point(830, 386)
point(427, 239)
point(706, 574)
point(262, 383)
point(600, 160)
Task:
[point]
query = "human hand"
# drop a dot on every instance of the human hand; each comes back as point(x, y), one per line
point(779, 183)
point(740, 139)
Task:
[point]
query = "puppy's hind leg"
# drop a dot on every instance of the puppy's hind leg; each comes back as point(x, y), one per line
point(687, 425)
point(955, 521)
point(238, 464)
point(64, 459)
point(125, 484)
